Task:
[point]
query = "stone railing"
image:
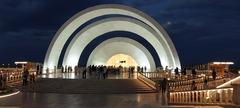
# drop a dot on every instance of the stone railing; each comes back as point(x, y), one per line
point(147, 81)
point(187, 85)
point(212, 96)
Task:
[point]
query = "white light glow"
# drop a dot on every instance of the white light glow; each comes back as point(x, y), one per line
point(229, 63)
point(20, 63)
point(3, 96)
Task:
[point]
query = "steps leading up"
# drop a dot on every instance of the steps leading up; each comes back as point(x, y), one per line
point(89, 86)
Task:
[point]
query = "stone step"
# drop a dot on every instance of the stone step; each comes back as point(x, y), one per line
point(89, 86)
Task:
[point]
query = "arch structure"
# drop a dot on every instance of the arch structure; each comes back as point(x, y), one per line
point(101, 54)
point(126, 19)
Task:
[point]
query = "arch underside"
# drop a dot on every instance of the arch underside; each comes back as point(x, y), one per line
point(140, 23)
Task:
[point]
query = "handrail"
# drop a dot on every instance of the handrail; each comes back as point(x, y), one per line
point(186, 86)
point(147, 81)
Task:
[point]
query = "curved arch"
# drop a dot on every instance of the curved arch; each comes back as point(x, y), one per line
point(127, 46)
point(118, 34)
point(86, 35)
point(77, 20)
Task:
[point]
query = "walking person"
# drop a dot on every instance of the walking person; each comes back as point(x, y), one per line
point(214, 74)
point(1, 80)
point(205, 83)
point(84, 73)
point(165, 93)
point(25, 77)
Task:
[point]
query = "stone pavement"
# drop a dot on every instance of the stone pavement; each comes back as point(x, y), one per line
point(46, 99)
point(52, 100)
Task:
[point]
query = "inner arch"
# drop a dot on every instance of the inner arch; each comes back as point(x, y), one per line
point(102, 53)
point(132, 38)
point(121, 60)
point(123, 45)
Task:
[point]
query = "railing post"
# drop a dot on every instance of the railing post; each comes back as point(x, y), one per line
point(193, 97)
point(204, 96)
point(201, 96)
point(190, 96)
point(185, 97)
point(214, 96)
point(226, 97)
point(236, 95)
point(177, 97)
point(196, 96)
point(220, 96)
point(209, 97)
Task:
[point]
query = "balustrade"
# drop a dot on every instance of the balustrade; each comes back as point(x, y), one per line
point(212, 96)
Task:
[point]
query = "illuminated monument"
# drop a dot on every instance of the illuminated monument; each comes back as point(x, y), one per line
point(113, 18)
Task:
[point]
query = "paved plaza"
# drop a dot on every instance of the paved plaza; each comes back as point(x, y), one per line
point(52, 100)
point(45, 97)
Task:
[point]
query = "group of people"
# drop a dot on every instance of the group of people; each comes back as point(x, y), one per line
point(101, 71)
point(27, 77)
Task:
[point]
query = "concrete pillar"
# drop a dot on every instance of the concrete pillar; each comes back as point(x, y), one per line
point(231, 95)
point(177, 100)
point(196, 96)
point(204, 96)
point(226, 97)
point(185, 100)
point(209, 97)
point(214, 93)
point(221, 96)
point(201, 96)
point(189, 97)
point(193, 97)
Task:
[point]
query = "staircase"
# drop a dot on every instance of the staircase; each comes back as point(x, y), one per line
point(89, 86)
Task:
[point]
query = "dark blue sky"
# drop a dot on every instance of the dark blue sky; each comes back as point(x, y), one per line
point(202, 30)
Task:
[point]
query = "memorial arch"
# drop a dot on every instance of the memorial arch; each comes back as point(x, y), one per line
point(114, 18)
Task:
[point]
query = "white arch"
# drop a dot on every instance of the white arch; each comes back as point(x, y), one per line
point(86, 35)
point(77, 20)
point(127, 46)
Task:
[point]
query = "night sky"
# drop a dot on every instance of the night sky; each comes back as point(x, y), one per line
point(202, 30)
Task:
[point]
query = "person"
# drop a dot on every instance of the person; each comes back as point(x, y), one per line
point(145, 69)
point(25, 77)
point(4, 80)
point(214, 74)
point(176, 71)
point(194, 73)
point(47, 70)
point(184, 71)
point(62, 69)
point(158, 85)
point(164, 85)
point(1, 80)
point(104, 72)
point(84, 73)
point(194, 85)
point(205, 83)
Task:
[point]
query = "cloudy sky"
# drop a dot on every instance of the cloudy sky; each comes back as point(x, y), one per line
point(202, 30)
